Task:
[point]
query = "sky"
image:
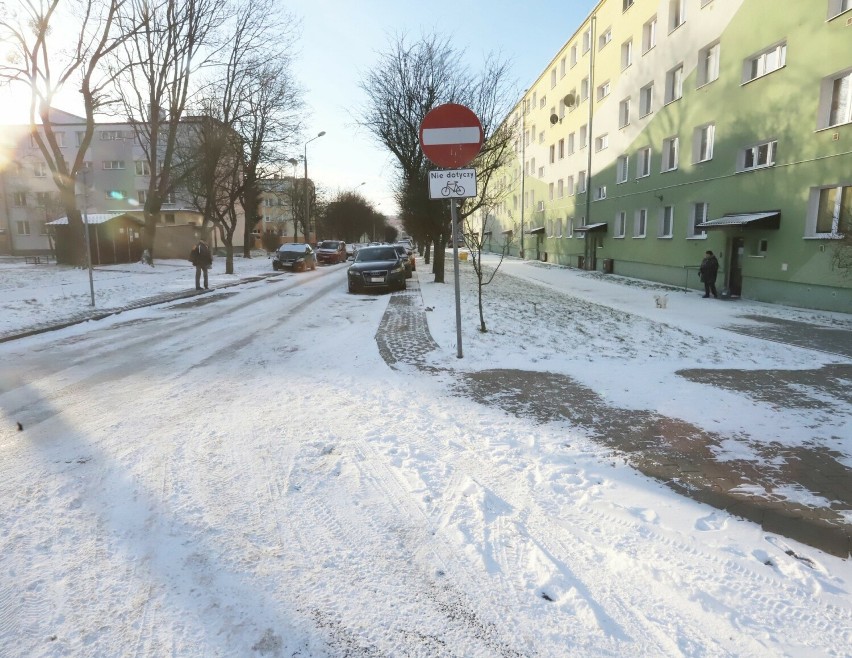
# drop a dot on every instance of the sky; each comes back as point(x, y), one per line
point(341, 40)
point(251, 472)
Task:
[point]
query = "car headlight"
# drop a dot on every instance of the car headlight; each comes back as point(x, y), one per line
point(399, 268)
point(352, 272)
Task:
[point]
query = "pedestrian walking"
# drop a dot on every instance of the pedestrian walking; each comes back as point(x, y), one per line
point(201, 257)
point(707, 273)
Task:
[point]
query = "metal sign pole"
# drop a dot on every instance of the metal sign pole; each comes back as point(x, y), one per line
point(455, 234)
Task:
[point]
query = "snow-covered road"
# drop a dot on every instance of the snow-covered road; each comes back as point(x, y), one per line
point(242, 474)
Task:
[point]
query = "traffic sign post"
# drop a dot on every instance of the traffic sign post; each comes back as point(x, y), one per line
point(451, 136)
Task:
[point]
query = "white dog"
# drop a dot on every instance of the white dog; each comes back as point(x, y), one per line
point(661, 300)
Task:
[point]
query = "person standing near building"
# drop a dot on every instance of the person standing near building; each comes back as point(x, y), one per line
point(707, 271)
point(201, 257)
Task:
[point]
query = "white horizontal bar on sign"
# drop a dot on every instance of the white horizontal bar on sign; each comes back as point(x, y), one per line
point(438, 136)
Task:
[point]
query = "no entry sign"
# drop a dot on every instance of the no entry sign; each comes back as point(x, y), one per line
point(451, 135)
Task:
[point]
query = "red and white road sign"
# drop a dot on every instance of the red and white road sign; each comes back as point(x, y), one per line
point(451, 135)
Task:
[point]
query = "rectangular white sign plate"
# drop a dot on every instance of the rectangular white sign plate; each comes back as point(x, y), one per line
point(452, 184)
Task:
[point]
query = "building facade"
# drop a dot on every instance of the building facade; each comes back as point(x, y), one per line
point(116, 182)
point(666, 128)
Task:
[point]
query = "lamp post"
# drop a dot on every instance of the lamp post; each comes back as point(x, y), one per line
point(86, 234)
point(294, 162)
point(307, 196)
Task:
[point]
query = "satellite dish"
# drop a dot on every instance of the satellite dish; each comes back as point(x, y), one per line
point(569, 100)
point(554, 119)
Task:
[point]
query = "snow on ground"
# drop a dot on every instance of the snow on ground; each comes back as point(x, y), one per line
point(241, 474)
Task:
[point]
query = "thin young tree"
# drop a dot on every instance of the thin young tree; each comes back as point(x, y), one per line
point(32, 59)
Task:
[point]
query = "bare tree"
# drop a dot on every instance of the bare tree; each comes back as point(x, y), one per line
point(171, 40)
point(409, 81)
point(478, 229)
point(48, 70)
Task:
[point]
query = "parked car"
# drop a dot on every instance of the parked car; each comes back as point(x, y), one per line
point(377, 267)
point(331, 252)
point(408, 258)
point(296, 256)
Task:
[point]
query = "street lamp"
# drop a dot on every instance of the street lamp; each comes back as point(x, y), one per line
point(294, 162)
point(307, 196)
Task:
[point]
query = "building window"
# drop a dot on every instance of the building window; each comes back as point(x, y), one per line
point(620, 224)
point(80, 136)
point(541, 137)
point(646, 100)
point(626, 54)
point(562, 67)
point(584, 137)
point(601, 142)
point(628, 4)
point(600, 192)
point(667, 222)
point(699, 216)
point(541, 172)
point(569, 227)
point(640, 223)
point(143, 168)
point(834, 211)
point(604, 38)
point(43, 199)
point(543, 101)
point(540, 206)
point(569, 185)
point(552, 153)
point(835, 103)
point(587, 40)
point(115, 195)
point(23, 227)
point(837, 7)
point(622, 169)
point(758, 156)
point(584, 88)
point(40, 170)
point(643, 162)
point(677, 14)
point(674, 84)
point(60, 139)
point(573, 55)
point(559, 227)
point(603, 90)
point(561, 148)
point(113, 164)
point(670, 153)
point(111, 135)
point(19, 199)
point(550, 191)
point(169, 197)
point(141, 196)
point(560, 188)
point(702, 145)
point(571, 146)
point(624, 113)
point(649, 35)
point(553, 78)
point(581, 182)
point(765, 62)
point(708, 64)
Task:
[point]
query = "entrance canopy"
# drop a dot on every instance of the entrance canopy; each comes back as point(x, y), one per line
point(536, 230)
point(591, 228)
point(770, 219)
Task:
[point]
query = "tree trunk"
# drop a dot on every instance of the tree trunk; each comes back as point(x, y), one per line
point(438, 265)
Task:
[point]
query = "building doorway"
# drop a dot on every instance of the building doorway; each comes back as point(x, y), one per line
point(735, 268)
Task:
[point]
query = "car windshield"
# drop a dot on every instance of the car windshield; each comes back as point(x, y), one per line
point(375, 253)
point(328, 244)
point(402, 251)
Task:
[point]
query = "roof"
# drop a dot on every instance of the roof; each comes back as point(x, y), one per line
point(96, 218)
point(766, 219)
point(588, 228)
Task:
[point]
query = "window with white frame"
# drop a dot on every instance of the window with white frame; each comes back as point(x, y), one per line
point(534, 101)
point(80, 136)
point(551, 190)
point(835, 100)
point(601, 142)
point(569, 227)
point(540, 205)
point(550, 228)
point(561, 148)
point(60, 139)
point(649, 35)
point(833, 211)
point(646, 100)
point(23, 227)
point(643, 162)
point(532, 166)
point(708, 64)
point(43, 199)
point(113, 164)
point(111, 135)
point(758, 156)
point(604, 38)
point(670, 153)
point(553, 77)
point(541, 172)
point(143, 168)
point(541, 137)
point(581, 182)
point(169, 197)
point(560, 188)
point(640, 223)
point(624, 113)
point(704, 3)
point(603, 90)
point(584, 137)
point(587, 40)
point(677, 14)
point(674, 84)
point(573, 55)
point(584, 88)
point(702, 143)
point(765, 62)
point(141, 196)
point(19, 199)
point(699, 216)
point(667, 222)
point(569, 186)
point(620, 224)
point(600, 192)
point(562, 66)
point(542, 102)
point(558, 227)
point(552, 153)
point(837, 7)
point(571, 145)
point(622, 169)
point(40, 170)
point(626, 54)
point(628, 4)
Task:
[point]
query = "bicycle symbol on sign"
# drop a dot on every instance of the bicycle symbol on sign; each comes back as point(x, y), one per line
point(452, 187)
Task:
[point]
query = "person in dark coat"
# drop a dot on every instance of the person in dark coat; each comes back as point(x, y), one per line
point(707, 271)
point(201, 257)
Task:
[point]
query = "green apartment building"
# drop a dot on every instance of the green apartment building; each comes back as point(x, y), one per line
point(665, 128)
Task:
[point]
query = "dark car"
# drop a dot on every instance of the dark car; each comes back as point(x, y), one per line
point(407, 257)
point(331, 252)
point(295, 256)
point(377, 267)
